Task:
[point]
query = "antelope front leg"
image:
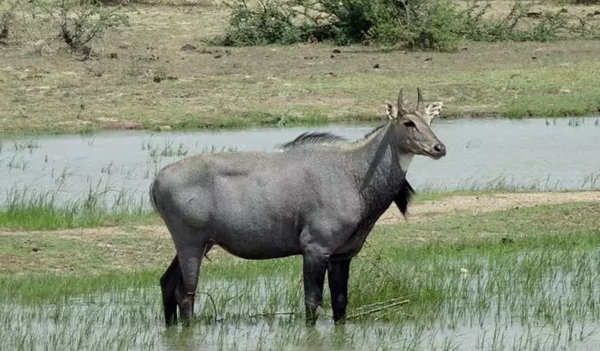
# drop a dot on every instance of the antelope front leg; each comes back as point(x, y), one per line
point(338, 273)
point(314, 268)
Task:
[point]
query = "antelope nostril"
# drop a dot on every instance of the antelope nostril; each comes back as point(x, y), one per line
point(439, 148)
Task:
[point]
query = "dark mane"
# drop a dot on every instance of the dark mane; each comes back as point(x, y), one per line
point(322, 138)
point(374, 130)
point(312, 138)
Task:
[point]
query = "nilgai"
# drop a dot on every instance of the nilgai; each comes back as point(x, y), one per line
point(318, 197)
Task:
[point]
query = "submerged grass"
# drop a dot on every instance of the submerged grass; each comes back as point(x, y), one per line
point(522, 279)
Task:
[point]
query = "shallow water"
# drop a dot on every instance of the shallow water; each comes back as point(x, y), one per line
point(544, 299)
point(481, 153)
point(132, 320)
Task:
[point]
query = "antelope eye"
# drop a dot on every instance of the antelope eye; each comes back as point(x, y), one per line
point(409, 124)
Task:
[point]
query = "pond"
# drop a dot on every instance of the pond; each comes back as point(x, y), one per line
point(537, 154)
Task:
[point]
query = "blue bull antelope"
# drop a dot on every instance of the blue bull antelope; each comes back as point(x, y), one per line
point(318, 197)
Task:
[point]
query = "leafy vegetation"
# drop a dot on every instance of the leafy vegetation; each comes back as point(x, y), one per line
point(77, 23)
point(424, 24)
point(582, 2)
point(80, 24)
point(7, 17)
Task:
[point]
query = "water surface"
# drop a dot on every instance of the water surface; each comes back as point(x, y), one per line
point(531, 153)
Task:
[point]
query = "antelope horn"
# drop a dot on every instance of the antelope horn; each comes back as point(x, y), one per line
point(419, 99)
point(401, 108)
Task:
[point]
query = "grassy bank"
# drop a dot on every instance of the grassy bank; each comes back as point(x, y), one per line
point(43, 212)
point(512, 279)
point(141, 78)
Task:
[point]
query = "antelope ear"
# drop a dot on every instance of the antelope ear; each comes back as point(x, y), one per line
point(391, 112)
point(432, 110)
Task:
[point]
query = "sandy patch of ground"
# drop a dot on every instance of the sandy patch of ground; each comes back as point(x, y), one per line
point(477, 204)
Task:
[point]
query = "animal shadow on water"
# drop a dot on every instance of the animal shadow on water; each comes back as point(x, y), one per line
point(319, 197)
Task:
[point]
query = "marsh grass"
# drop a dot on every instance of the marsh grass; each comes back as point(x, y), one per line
point(509, 280)
point(41, 210)
point(66, 201)
point(100, 205)
point(502, 183)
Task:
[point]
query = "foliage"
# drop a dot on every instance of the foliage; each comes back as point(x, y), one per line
point(425, 24)
point(7, 17)
point(583, 2)
point(422, 23)
point(416, 23)
point(548, 26)
point(81, 24)
point(265, 23)
point(106, 2)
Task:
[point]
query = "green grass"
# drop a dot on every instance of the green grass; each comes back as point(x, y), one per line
point(48, 217)
point(515, 280)
point(571, 228)
point(24, 210)
point(43, 212)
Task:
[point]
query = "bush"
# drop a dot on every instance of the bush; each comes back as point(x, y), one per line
point(548, 26)
point(424, 24)
point(427, 24)
point(437, 25)
point(106, 2)
point(7, 18)
point(265, 23)
point(80, 25)
point(584, 2)
point(420, 23)
point(77, 23)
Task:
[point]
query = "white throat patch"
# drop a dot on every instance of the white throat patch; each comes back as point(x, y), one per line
point(405, 161)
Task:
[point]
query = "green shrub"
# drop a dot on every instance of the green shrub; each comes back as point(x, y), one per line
point(549, 26)
point(427, 24)
point(266, 23)
point(437, 27)
point(105, 2)
point(7, 17)
point(81, 24)
point(361, 20)
point(583, 2)
point(424, 24)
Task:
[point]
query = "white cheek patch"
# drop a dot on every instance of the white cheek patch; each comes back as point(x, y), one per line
point(405, 161)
